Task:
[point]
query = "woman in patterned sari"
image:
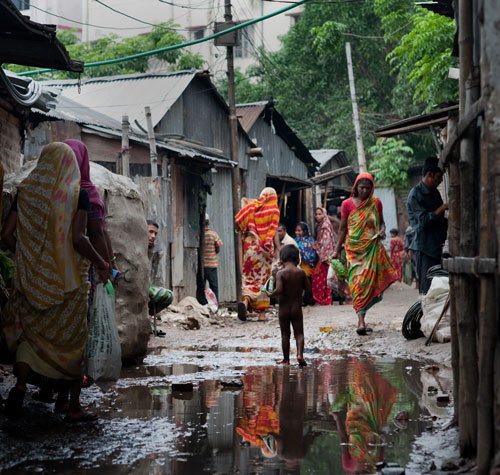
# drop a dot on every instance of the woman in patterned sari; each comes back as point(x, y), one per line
point(258, 222)
point(325, 246)
point(363, 229)
point(45, 320)
point(308, 255)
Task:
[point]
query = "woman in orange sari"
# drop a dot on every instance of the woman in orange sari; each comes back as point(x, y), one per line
point(362, 228)
point(258, 222)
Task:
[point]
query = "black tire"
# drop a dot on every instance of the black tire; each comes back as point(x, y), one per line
point(411, 322)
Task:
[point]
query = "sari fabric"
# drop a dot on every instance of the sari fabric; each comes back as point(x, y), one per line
point(397, 250)
point(45, 317)
point(370, 270)
point(308, 254)
point(325, 247)
point(82, 156)
point(325, 238)
point(258, 221)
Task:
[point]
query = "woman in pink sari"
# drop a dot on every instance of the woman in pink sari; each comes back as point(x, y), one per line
point(325, 246)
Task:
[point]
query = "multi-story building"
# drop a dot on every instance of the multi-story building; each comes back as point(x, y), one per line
point(195, 19)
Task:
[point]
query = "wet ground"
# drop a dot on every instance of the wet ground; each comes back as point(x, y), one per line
point(232, 410)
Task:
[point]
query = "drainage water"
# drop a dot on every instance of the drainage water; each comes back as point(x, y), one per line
point(341, 414)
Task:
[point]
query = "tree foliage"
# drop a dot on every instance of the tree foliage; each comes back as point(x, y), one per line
point(390, 162)
point(113, 47)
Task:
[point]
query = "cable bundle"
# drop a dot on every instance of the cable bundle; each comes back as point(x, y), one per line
point(411, 322)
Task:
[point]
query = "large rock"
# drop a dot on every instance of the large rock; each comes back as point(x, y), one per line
point(126, 225)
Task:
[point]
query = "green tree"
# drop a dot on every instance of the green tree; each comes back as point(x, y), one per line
point(421, 56)
point(390, 162)
point(113, 47)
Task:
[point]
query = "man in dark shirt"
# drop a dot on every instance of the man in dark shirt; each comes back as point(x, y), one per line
point(426, 214)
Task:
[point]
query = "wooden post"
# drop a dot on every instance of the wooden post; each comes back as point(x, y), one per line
point(453, 243)
point(282, 197)
point(355, 113)
point(124, 167)
point(300, 206)
point(233, 132)
point(467, 290)
point(152, 143)
point(325, 198)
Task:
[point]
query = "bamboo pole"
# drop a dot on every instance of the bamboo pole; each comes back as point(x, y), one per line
point(325, 198)
point(467, 290)
point(453, 242)
point(488, 311)
point(153, 156)
point(124, 167)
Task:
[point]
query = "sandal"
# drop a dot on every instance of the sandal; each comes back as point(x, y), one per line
point(14, 405)
point(82, 416)
point(242, 312)
point(361, 331)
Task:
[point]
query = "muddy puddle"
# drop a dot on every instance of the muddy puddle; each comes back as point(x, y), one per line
point(226, 411)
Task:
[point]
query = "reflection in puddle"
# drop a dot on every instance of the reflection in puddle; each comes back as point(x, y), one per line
point(335, 416)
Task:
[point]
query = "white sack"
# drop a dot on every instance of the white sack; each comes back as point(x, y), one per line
point(432, 306)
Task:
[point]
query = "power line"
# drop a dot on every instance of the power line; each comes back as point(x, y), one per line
point(87, 24)
point(186, 6)
point(174, 47)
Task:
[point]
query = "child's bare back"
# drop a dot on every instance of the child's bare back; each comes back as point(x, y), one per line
point(290, 282)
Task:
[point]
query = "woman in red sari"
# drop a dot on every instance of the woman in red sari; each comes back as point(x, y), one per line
point(258, 222)
point(363, 229)
point(397, 252)
point(325, 245)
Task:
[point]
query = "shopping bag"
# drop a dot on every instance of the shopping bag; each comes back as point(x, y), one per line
point(103, 352)
point(332, 280)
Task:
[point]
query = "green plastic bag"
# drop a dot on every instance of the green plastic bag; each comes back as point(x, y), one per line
point(339, 268)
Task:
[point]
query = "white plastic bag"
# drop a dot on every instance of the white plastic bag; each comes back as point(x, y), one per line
point(103, 352)
point(213, 305)
point(332, 281)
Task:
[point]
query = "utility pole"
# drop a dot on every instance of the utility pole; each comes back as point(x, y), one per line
point(355, 115)
point(125, 155)
point(233, 130)
point(153, 156)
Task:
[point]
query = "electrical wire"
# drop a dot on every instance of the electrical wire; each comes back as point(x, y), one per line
point(186, 6)
point(177, 46)
point(88, 24)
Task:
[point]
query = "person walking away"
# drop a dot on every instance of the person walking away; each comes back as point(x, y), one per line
point(426, 214)
point(212, 243)
point(308, 256)
point(362, 228)
point(258, 223)
point(159, 297)
point(291, 281)
point(325, 246)
point(45, 320)
point(397, 252)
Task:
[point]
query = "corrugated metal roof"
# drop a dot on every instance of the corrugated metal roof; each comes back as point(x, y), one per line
point(129, 94)
point(67, 109)
point(324, 154)
point(249, 113)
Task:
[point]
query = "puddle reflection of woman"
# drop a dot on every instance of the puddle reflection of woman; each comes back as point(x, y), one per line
point(361, 414)
point(363, 229)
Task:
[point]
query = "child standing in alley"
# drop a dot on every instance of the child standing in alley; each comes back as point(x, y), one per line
point(290, 282)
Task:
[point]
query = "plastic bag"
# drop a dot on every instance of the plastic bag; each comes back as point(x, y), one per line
point(103, 352)
point(268, 287)
point(213, 305)
point(332, 280)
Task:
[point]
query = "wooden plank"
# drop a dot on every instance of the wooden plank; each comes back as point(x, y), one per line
point(470, 265)
point(329, 175)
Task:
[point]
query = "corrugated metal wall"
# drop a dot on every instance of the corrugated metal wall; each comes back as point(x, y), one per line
point(277, 154)
point(220, 211)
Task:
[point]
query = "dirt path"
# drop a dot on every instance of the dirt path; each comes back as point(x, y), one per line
point(385, 318)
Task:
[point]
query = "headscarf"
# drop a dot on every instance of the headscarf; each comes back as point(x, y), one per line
point(306, 246)
point(261, 218)
point(82, 157)
point(364, 176)
point(325, 239)
point(46, 263)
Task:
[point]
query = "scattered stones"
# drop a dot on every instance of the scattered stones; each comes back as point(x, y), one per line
point(431, 368)
point(433, 466)
point(432, 390)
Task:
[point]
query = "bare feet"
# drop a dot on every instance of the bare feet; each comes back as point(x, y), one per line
point(302, 361)
point(262, 316)
point(284, 362)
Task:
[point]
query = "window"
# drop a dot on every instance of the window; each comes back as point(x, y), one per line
point(22, 4)
point(244, 50)
point(199, 34)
